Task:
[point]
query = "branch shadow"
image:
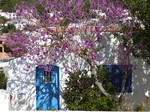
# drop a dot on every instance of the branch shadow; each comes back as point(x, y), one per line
point(21, 83)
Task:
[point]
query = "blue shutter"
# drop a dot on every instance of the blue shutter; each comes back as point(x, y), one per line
point(116, 74)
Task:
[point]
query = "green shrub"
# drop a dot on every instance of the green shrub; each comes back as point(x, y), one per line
point(6, 8)
point(3, 80)
point(11, 27)
point(82, 94)
point(3, 20)
point(5, 30)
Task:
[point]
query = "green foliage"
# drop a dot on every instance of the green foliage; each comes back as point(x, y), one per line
point(87, 4)
point(40, 8)
point(6, 8)
point(139, 107)
point(11, 27)
point(144, 105)
point(3, 20)
point(140, 10)
point(5, 30)
point(8, 28)
point(3, 80)
point(8, 5)
point(81, 93)
point(7, 49)
point(65, 22)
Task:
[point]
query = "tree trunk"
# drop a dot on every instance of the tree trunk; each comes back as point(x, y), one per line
point(99, 84)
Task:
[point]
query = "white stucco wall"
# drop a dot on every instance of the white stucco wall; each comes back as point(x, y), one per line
point(4, 100)
point(140, 84)
point(8, 15)
point(4, 64)
point(21, 81)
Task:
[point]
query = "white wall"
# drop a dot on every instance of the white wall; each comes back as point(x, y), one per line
point(140, 84)
point(8, 15)
point(4, 64)
point(21, 81)
point(4, 99)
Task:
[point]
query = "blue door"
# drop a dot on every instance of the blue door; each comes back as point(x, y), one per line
point(47, 88)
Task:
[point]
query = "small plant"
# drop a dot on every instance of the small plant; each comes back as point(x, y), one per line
point(139, 107)
point(144, 105)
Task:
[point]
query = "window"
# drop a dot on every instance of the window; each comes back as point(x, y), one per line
point(1, 42)
point(1, 50)
point(47, 78)
point(116, 75)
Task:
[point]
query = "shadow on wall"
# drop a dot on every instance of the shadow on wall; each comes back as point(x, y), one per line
point(140, 84)
point(46, 96)
point(140, 76)
point(21, 85)
point(110, 52)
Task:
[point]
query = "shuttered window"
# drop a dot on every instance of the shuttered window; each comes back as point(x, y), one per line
point(116, 74)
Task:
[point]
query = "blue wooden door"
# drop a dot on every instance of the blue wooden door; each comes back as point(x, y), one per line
point(47, 88)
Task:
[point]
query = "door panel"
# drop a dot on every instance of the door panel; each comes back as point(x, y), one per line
point(47, 93)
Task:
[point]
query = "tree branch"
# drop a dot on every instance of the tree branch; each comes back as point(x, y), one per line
point(99, 84)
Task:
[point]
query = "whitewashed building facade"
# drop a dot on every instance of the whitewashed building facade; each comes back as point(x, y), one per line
point(21, 84)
